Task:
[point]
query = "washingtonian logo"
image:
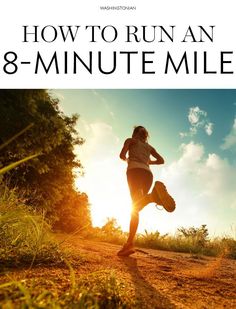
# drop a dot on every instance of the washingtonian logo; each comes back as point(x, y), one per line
point(117, 8)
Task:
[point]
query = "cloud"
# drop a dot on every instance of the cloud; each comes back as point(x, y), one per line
point(195, 115)
point(100, 141)
point(203, 185)
point(230, 139)
point(198, 120)
point(209, 128)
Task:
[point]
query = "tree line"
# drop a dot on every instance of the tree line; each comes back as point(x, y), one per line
point(47, 181)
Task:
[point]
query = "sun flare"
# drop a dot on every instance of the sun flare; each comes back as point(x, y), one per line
point(109, 198)
point(108, 194)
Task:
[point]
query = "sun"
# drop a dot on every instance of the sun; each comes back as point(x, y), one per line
point(111, 199)
point(106, 186)
point(111, 206)
point(108, 194)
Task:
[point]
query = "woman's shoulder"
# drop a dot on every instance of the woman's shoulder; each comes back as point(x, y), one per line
point(131, 141)
point(150, 146)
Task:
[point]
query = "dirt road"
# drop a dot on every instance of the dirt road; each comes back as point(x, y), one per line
point(158, 279)
point(148, 279)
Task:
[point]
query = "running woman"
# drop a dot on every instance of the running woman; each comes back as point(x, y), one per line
point(140, 179)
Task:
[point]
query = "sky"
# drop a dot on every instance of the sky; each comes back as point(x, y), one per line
point(195, 132)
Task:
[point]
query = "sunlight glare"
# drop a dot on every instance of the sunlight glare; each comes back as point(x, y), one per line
point(108, 193)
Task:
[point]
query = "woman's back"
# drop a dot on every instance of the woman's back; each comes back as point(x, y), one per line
point(139, 154)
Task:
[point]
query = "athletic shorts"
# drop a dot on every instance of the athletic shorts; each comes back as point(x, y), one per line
point(139, 180)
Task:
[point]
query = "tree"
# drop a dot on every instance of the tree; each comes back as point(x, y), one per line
point(76, 215)
point(47, 179)
point(111, 227)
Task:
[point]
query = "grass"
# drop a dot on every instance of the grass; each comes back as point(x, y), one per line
point(198, 244)
point(99, 289)
point(25, 236)
point(193, 240)
point(26, 241)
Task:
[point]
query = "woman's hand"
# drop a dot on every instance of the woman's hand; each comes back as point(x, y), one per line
point(153, 162)
point(157, 156)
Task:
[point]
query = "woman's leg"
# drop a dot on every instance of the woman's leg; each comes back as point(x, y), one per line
point(134, 220)
point(140, 182)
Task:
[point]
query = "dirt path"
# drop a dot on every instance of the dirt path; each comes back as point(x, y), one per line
point(159, 279)
point(154, 279)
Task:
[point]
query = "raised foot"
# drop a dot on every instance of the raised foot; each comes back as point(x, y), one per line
point(162, 197)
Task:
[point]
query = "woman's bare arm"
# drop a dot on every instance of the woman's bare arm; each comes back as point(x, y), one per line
point(125, 149)
point(157, 156)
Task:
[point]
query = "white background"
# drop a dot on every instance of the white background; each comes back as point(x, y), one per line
point(182, 14)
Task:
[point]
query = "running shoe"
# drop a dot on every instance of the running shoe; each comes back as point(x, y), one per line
point(126, 250)
point(162, 197)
